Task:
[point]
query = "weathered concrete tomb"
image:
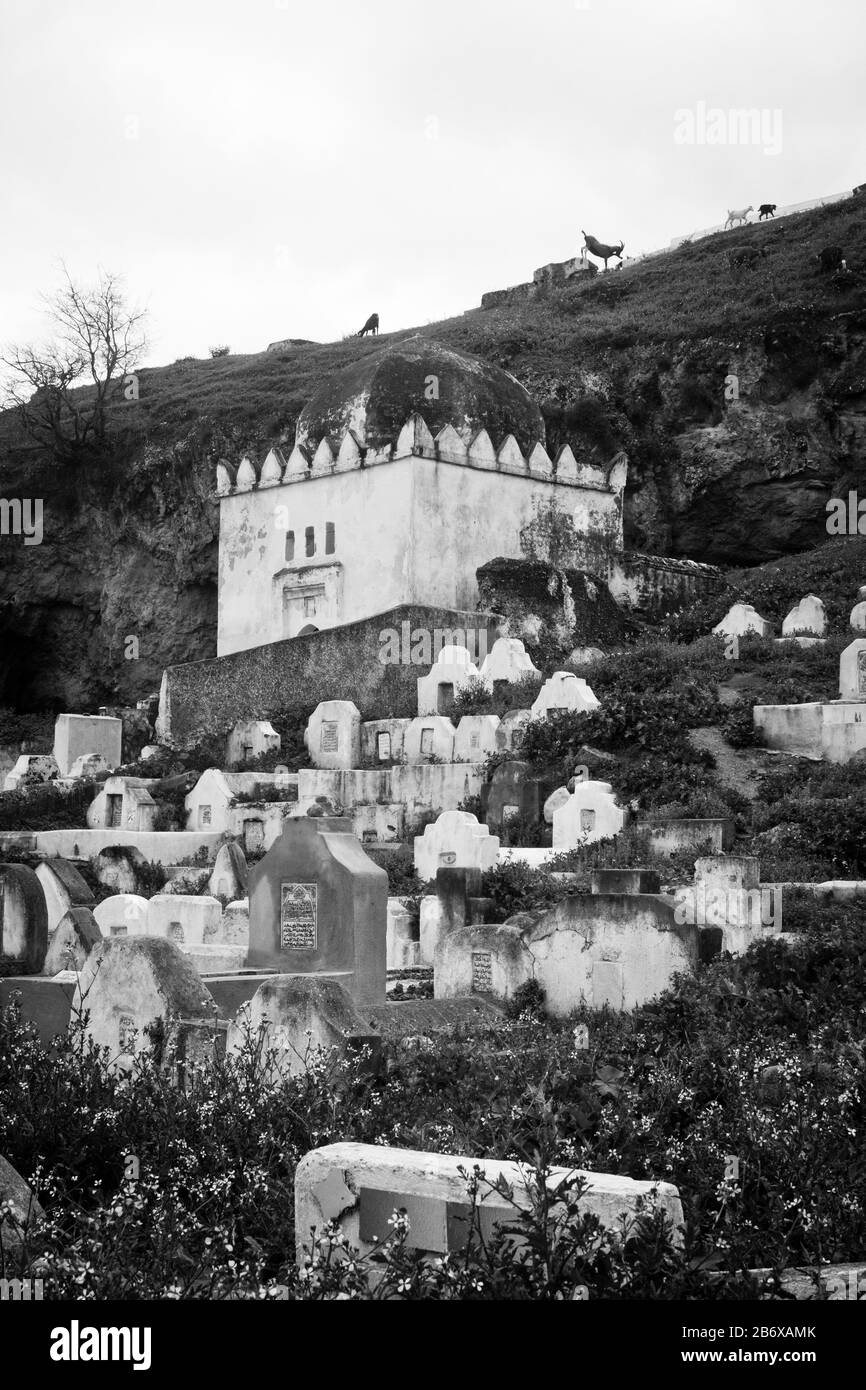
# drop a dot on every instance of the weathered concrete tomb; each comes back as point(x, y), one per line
point(318, 906)
point(360, 1186)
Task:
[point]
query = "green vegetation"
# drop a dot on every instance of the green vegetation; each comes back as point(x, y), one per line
point(760, 1057)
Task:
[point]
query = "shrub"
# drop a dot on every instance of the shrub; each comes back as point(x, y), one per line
point(45, 807)
point(17, 728)
point(475, 698)
point(516, 887)
point(665, 1091)
point(528, 998)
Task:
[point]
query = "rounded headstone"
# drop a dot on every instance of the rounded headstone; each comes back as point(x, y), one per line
point(121, 868)
point(741, 619)
point(553, 803)
point(129, 985)
point(858, 616)
point(72, 940)
point(808, 617)
point(23, 921)
point(293, 1016)
point(228, 879)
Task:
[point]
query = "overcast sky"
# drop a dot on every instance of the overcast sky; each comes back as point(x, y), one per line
point(265, 169)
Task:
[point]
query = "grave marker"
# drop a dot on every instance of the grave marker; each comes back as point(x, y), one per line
point(333, 735)
point(318, 906)
point(23, 921)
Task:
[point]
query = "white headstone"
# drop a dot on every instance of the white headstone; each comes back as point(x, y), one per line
point(75, 734)
point(512, 730)
point(452, 670)
point(124, 914)
point(556, 799)
point(234, 929)
point(250, 739)
point(455, 840)
point(808, 616)
point(858, 616)
point(382, 741)
point(475, 738)
point(428, 738)
point(507, 660)
point(403, 940)
point(741, 619)
point(183, 919)
point(333, 735)
point(565, 691)
point(591, 813)
point(228, 878)
point(852, 671)
point(353, 1184)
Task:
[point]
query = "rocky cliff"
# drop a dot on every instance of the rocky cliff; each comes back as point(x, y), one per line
point(739, 395)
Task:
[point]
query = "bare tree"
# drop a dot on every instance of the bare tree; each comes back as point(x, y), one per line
point(62, 390)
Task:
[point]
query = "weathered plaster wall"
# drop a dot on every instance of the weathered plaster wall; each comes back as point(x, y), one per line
point(342, 663)
point(367, 572)
point(411, 530)
point(463, 518)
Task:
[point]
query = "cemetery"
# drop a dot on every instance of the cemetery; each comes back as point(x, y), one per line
point(391, 973)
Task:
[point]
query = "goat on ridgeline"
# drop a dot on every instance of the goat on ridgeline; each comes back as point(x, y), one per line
point(766, 210)
point(741, 215)
point(598, 248)
point(371, 326)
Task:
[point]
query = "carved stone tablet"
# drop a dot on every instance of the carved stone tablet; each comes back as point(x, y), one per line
point(482, 972)
point(330, 736)
point(299, 917)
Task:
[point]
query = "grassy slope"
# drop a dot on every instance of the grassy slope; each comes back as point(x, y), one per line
point(691, 293)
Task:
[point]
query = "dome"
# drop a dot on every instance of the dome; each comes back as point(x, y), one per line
point(376, 395)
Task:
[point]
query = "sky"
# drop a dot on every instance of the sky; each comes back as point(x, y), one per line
point(267, 169)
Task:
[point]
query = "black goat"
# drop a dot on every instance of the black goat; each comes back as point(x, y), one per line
point(371, 326)
point(767, 210)
point(830, 258)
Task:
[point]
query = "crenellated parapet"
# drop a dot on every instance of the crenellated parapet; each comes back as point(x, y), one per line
point(450, 446)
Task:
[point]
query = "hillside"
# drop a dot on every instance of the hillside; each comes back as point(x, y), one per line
point(636, 359)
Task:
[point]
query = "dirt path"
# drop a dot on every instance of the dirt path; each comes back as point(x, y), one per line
point(737, 768)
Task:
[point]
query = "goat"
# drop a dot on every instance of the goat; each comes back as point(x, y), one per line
point(598, 248)
point(738, 216)
point(766, 210)
point(830, 258)
point(371, 326)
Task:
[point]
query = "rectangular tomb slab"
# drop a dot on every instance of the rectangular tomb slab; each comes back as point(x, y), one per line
point(606, 881)
point(78, 734)
point(360, 1186)
point(318, 905)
